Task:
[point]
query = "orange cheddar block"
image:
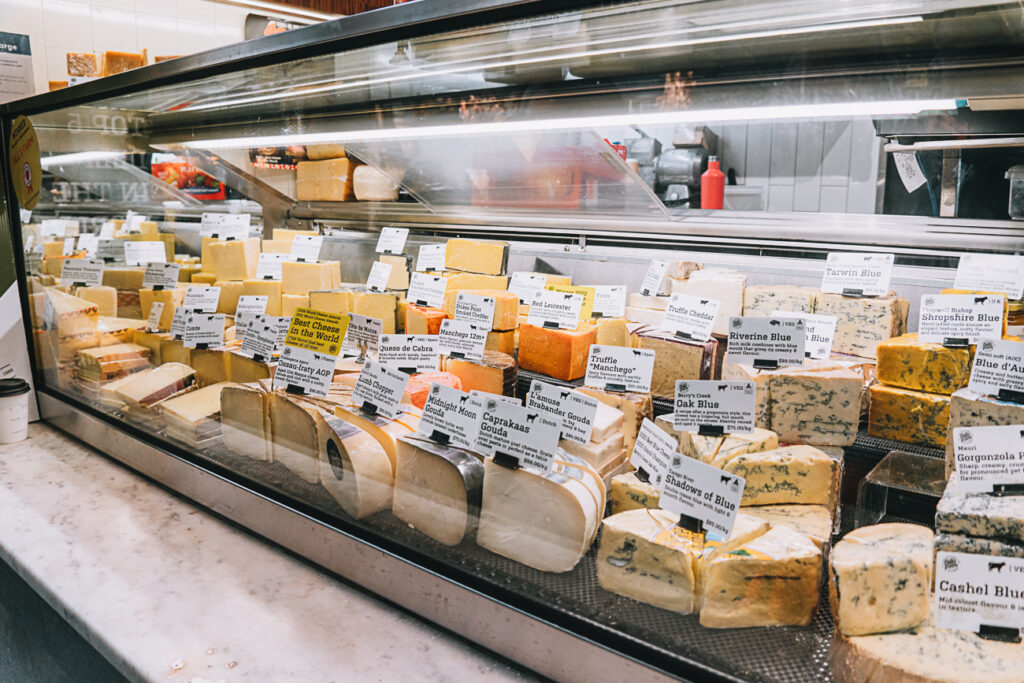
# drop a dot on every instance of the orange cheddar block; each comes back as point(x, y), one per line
point(501, 340)
point(495, 373)
point(423, 319)
point(506, 306)
point(418, 387)
point(561, 354)
point(118, 62)
point(83, 64)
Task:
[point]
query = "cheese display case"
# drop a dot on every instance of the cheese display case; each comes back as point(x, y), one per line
point(455, 303)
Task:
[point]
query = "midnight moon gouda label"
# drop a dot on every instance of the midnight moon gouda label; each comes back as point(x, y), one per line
point(25, 168)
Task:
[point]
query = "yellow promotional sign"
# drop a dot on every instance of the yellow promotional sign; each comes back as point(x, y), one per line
point(25, 167)
point(587, 309)
point(317, 331)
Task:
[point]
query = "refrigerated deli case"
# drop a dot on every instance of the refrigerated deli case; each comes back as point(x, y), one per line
point(519, 149)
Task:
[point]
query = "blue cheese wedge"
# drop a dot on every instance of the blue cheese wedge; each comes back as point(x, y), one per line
point(863, 323)
point(761, 300)
point(818, 408)
point(880, 579)
point(718, 450)
point(787, 475)
point(958, 543)
point(629, 493)
point(979, 514)
point(353, 467)
point(970, 409)
point(813, 521)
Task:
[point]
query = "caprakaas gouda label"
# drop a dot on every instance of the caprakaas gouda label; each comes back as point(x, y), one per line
point(317, 331)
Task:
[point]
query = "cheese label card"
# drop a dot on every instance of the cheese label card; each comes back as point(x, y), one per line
point(392, 240)
point(819, 332)
point(379, 389)
point(317, 331)
point(133, 221)
point(653, 453)
point(25, 215)
point(460, 339)
point(990, 459)
point(141, 253)
point(588, 294)
point(161, 275)
point(451, 417)
point(107, 230)
point(481, 395)
point(617, 368)
point(766, 342)
point(111, 250)
point(363, 335)
point(33, 261)
point(998, 369)
point(268, 266)
point(378, 278)
point(703, 493)
point(713, 406)
point(909, 170)
point(475, 309)
point(178, 322)
point(81, 272)
point(960, 319)
point(264, 337)
point(29, 241)
point(53, 227)
point(609, 301)
point(526, 285)
point(88, 243)
point(69, 246)
point(201, 298)
point(574, 410)
point(203, 329)
point(857, 274)
point(431, 258)
point(690, 317)
point(304, 371)
point(225, 225)
point(306, 248)
point(410, 353)
point(972, 591)
point(249, 306)
point(654, 278)
point(518, 435)
point(556, 310)
point(156, 309)
point(991, 273)
point(426, 289)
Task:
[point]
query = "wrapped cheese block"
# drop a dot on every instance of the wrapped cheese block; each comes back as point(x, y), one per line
point(371, 185)
point(438, 489)
point(245, 420)
point(561, 354)
point(880, 579)
point(103, 360)
point(488, 257)
point(910, 416)
point(970, 409)
point(192, 418)
point(820, 408)
point(645, 556)
point(771, 580)
point(634, 406)
point(630, 493)
point(724, 286)
point(541, 520)
point(423, 319)
point(506, 305)
point(268, 288)
point(150, 386)
point(813, 521)
point(677, 359)
point(294, 434)
point(979, 514)
point(329, 180)
point(761, 300)
point(908, 363)
point(791, 474)
point(234, 259)
point(353, 467)
point(718, 450)
point(495, 373)
point(864, 323)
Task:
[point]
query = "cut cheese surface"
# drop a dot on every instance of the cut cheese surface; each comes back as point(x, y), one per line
point(979, 514)
point(398, 278)
point(477, 256)
point(501, 341)
point(761, 300)
point(612, 332)
point(607, 421)
point(234, 259)
point(460, 281)
point(629, 493)
point(290, 303)
point(423, 319)
point(211, 365)
point(880, 579)
point(820, 408)
point(724, 286)
point(294, 433)
point(230, 291)
point(329, 180)
point(268, 288)
point(676, 359)
point(124, 278)
point(331, 301)
point(103, 296)
point(863, 323)
point(495, 373)
point(792, 474)
point(813, 521)
point(561, 354)
point(960, 543)
point(353, 467)
point(385, 431)
point(969, 409)
point(245, 421)
point(376, 305)
point(908, 363)
point(910, 416)
point(147, 387)
point(302, 278)
point(635, 407)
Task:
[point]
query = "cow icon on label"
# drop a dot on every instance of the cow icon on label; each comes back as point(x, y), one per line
point(530, 418)
point(996, 566)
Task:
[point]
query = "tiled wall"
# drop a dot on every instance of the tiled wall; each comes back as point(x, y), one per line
point(162, 27)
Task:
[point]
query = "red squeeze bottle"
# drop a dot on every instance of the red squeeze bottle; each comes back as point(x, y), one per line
point(712, 186)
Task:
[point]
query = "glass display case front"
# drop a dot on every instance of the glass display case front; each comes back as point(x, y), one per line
point(599, 316)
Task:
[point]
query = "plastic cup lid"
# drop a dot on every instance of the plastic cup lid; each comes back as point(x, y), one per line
point(13, 386)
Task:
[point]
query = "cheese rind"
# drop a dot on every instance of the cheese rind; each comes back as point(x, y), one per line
point(245, 421)
point(294, 434)
point(979, 514)
point(353, 467)
point(908, 363)
point(234, 259)
point(910, 416)
point(960, 543)
point(629, 493)
point(863, 323)
point(791, 474)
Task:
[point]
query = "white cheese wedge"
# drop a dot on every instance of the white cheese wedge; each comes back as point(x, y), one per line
point(656, 303)
point(438, 489)
point(647, 316)
point(791, 474)
point(293, 430)
point(607, 421)
point(150, 386)
point(352, 466)
point(245, 421)
point(595, 488)
point(629, 493)
point(385, 431)
point(979, 514)
point(813, 521)
point(542, 521)
point(769, 581)
point(724, 286)
point(597, 454)
point(880, 579)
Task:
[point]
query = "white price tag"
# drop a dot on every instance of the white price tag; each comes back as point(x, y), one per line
point(991, 273)
point(161, 275)
point(25, 215)
point(392, 240)
point(481, 395)
point(225, 225)
point(690, 317)
point(201, 298)
point(410, 353)
point(972, 591)
point(617, 368)
point(264, 337)
point(426, 290)
point(379, 389)
point(53, 227)
point(909, 170)
point(249, 306)
point(156, 309)
point(431, 258)
point(703, 493)
point(133, 222)
point(714, 406)
point(998, 369)
point(141, 253)
point(575, 411)
point(306, 248)
point(107, 230)
point(268, 266)
point(515, 435)
point(555, 310)
point(304, 371)
point(766, 342)
point(654, 279)
point(378, 278)
point(960, 319)
point(111, 250)
point(451, 417)
point(69, 246)
point(460, 339)
point(203, 329)
point(990, 459)
point(526, 285)
point(88, 243)
point(819, 332)
point(178, 322)
point(80, 272)
point(363, 335)
point(477, 309)
point(653, 453)
point(609, 301)
point(857, 274)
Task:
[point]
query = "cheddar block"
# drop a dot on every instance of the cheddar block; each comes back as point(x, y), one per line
point(293, 302)
point(635, 407)
point(502, 342)
point(438, 489)
point(646, 316)
point(170, 298)
point(376, 305)
point(418, 387)
point(725, 286)
point(353, 467)
point(245, 421)
point(910, 416)
point(385, 431)
point(83, 64)
point(276, 246)
point(495, 373)
point(327, 150)
point(103, 296)
point(506, 306)
point(908, 363)
point(268, 288)
point(476, 256)
point(295, 439)
point(337, 301)
point(302, 278)
point(202, 278)
point(230, 291)
point(288, 235)
point(174, 351)
point(457, 281)
point(612, 332)
point(114, 62)
point(400, 264)
point(820, 408)
point(329, 180)
point(244, 369)
point(561, 354)
point(677, 359)
point(123, 278)
point(234, 259)
point(423, 319)
point(371, 185)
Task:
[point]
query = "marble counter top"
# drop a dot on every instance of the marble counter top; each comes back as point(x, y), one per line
point(167, 592)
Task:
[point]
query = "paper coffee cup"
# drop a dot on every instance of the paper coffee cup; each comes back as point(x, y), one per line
point(13, 410)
